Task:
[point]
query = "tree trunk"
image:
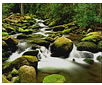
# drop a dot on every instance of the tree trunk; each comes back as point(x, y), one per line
point(22, 9)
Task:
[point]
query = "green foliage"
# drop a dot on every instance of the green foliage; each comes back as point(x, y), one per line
point(86, 15)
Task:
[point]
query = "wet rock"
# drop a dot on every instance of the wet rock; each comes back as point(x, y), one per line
point(61, 47)
point(87, 46)
point(32, 53)
point(68, 30)
point(11, 42)
point(27, 74)
point(93, 37)
point(4, 80)
point(58, 28)
point(89, 61)
point(22, 36)
point(99, 58)
point(15, 79)
point(24, 60)
point(54, 78)
point(36, 36)
point(40, 42)
point(100, 46)
point(53, 23)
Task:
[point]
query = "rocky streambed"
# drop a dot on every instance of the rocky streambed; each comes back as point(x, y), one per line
point(32, 52)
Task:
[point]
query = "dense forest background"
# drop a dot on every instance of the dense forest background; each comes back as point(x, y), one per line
point(84, 15)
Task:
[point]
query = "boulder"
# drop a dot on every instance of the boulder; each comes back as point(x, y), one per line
point(27, 74)
point(87, 46)
point(54, 78)
point(24, 60)
point(41, 42)
point(61, 47)
point(93, 37)
point(58, 28)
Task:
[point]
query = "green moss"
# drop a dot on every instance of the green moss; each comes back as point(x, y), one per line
point(92, 38)
point(20, 29)
point(87, 46)
point(36, 36)
point(54, 78)
point(53, 23)
point(68, 30)
point(14, 71)
point(31, 58)
point(89, 61)
point(27, 17)
point(4, 80)
point(5, 34)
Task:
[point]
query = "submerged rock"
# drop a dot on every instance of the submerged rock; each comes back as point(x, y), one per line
point(99, 58)
point(27, 74)
point(61, 47)
point(89, 60)
point(54, 78)
point(87, 46)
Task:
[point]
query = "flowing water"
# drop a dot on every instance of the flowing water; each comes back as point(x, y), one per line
point(78, 70)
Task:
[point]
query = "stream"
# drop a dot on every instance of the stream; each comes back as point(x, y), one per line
point(77, 70)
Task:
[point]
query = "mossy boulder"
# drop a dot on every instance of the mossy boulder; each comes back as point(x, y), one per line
point(53, 23)
point(41, 42)
point(68, 30)
point(4, 80)
point(88, 60)
point(87, 46)
point(31, 52)
point(58, 28)
point(93, 37)
point(5, 34)
point(61, 47)
point(4, 45)
point(99, 58)
point(36, 36)
point(27, 74)
point(11, 42)
point(54, 78)
point(17, 63)
point(100, 46)
point(15, 79)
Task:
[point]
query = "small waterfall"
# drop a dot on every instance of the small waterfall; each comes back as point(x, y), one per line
point(17, 54)
point(22, 48)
